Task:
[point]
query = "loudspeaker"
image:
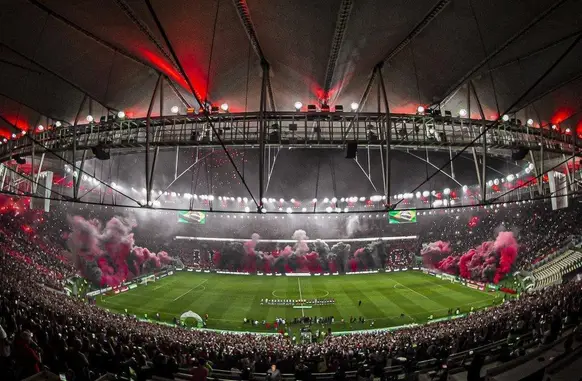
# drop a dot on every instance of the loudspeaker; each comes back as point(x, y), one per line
point(351, 150)
point(520, 154)
point(100, 153)
point(19, 159)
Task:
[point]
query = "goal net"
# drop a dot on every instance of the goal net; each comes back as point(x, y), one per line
point(147, 279)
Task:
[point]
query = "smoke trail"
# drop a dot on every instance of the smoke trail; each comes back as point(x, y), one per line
point(488, 262)
point(301, 247)
point(433, 252)
point(107, 255)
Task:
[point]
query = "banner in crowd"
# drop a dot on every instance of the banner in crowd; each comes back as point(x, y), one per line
point(191, 217)
point(402, 216)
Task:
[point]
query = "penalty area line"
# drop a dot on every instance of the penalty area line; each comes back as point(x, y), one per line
point(192, 289)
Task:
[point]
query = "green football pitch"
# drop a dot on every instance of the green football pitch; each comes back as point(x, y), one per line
point(228, 299)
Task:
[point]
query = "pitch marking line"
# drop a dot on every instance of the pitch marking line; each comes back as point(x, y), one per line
point(300, 296)
point(192, 289)
point(410, 289)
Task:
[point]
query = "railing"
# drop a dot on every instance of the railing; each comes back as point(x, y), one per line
point(294, 129)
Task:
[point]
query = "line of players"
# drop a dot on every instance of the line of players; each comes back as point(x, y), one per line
point(297, 302)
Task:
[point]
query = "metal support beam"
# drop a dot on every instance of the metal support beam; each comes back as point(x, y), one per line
point(501, 48)
point(452, 167)
point(244, 14)
point(198, 160)
point(38, 173)
point(272, 167)
point(387, 135)
point(106, 44)
point(368, 176)
point(33, 109)
point(153, 169)
point(77, 178)
point(205, 112)
point(147, 147)
point(476, 161)
point(341, 26)
point(176, 162)
point(549, 91)
point(382, 135)
point(484, 137)
point(32, 167)
point(432, 14)
point(263, 104)
point(4, 173)
point(46, 69)
point(427, 161)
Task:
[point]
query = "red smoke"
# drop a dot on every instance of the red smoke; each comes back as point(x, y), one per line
point(107, 256)
point(488, 262)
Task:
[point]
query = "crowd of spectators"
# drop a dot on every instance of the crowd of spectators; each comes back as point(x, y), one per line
point(41, 327)
point(47, 329)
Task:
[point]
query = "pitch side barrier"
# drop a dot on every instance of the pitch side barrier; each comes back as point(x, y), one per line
point(485, 287)
point(190, 269)
point(131, 284)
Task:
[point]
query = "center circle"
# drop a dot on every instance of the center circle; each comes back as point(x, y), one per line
point(324, 294)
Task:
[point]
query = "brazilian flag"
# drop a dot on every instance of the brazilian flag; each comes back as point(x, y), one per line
point(191, 217)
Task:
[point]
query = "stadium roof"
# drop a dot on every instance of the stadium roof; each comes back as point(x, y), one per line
point(53, 52)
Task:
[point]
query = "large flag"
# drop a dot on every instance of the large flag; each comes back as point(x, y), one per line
point(190, 217)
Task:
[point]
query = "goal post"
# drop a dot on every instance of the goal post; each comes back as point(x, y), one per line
point(147, 279)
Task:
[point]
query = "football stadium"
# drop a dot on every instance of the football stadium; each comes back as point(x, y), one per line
point(290, 190)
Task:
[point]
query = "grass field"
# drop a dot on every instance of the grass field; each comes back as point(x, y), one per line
point(228, 299)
